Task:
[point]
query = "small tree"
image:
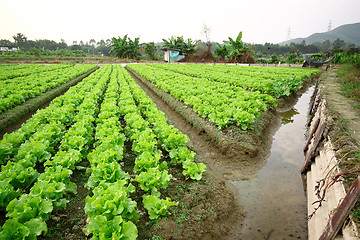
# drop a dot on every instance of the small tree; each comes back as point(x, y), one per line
point(274, 59)
point(150, 50)
point(101, 42)
point(125, 47)
point(238, 51)
point(292, 58)
point(338, 43)
point(222, 51)
point(19, 38)
point(92, 42)
point(206, 31)
point(174, 42)
point(352, 51)
point(188, 46)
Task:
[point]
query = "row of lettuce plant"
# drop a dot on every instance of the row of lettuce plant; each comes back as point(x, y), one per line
point(169, 138)
point(28, 214)
point(12, 71)
point(62, 109)
point(16, 91)
point(150, 173)
point(279, 81)
point(111, 212)
point(221, 103)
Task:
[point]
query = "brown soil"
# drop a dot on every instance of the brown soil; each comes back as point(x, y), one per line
point(69, 223)
point(204, 58)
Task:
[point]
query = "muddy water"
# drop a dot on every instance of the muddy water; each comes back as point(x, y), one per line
point(274, 200)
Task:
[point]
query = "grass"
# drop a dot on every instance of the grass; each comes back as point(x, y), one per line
point(350, 81)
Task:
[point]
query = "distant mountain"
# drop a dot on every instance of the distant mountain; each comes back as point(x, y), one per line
point(350, 33)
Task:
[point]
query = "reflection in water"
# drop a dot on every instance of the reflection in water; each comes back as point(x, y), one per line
point(287, 117)
point(274, 199)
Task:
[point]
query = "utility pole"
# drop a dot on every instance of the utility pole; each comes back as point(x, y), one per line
point(329, 27)
point(289, 33)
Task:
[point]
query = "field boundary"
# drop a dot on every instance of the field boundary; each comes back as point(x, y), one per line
point(323, 167)
point(13, 115)
point(226, 144)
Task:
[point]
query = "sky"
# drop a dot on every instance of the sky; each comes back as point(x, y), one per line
point(260, 21)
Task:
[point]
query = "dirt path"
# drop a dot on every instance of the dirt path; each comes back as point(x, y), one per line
point(341, 104)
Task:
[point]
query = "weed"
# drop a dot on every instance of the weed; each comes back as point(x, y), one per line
point(350, 79)
point(54, 231)
point(155, 237)
point(356, 213)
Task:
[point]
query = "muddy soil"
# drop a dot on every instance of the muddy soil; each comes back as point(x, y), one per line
point(69, 223)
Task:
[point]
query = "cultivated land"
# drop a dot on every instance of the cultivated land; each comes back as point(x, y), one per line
point(109, 101)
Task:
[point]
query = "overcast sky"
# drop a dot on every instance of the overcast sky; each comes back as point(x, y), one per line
point(260, 20)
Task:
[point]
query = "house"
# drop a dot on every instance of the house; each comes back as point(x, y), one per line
point(7, 49)
point(172, 55)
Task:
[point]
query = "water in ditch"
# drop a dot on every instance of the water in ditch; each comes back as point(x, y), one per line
point(275, 200)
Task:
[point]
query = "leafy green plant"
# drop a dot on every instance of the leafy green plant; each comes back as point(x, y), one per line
point(153, 180)
point(116, 228)
point(222, 51)
point(157, 207)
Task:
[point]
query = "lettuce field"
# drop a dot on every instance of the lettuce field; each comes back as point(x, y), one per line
point(110, 129)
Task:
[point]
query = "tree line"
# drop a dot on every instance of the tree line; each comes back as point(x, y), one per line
point(233, 50)
point(50, 47)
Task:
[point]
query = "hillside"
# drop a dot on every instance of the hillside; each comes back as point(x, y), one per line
point(348, 32)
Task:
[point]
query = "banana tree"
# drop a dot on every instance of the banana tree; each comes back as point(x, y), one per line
point(125, 47)
point(133, 48)
point(222, 51)
point(188, 46)
point(174, 42)
point(150, 50)
point(239, 52)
